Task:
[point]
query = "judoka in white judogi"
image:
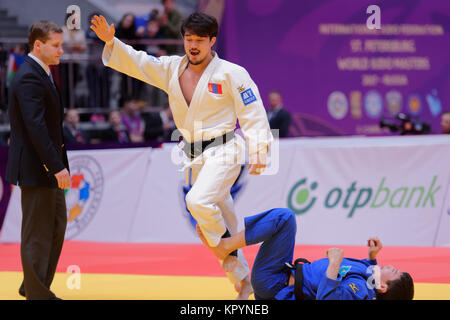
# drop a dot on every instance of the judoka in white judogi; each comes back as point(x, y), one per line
point(224, 93)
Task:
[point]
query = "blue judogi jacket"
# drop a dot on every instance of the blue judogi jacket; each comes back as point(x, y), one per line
point(351, 283)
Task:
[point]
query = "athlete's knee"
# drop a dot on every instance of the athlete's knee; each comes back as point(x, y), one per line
point(285, 214)
point(194, 202)
point(191, 200)
point(287, 218)
point(290, 216)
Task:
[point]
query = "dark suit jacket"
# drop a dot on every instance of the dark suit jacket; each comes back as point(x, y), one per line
point(281, 120)
point(36, 150)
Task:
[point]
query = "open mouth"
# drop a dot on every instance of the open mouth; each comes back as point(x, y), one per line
point(194, 52)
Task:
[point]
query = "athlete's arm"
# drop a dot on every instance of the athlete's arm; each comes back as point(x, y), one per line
point(375, 246)
point(335, 256)
point(124, 58)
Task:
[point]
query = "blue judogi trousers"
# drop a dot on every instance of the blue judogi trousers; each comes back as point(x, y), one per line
point(276, 229)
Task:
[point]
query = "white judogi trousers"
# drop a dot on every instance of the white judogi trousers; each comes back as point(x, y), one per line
point(210, 201)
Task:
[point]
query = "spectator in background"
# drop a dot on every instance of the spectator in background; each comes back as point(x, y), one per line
point(3, 142)
point(445, 122)
point(97, 118)
point(3, 56)
point(3, 59)
point(98, 77)
point(16, 58)
point(117, 132)
point(279, 118)
point(127, 31)
point(71, 129)
point(74, 42)
point(170, 21)
point(159, 125)
point(133, 121)
point(141, 22)
point(153, 32)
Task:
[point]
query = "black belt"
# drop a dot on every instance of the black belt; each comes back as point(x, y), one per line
point(196, 148)
point(298, 284)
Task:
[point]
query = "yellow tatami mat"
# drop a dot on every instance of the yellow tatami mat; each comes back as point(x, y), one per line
point(149, 287)
point(126, 287)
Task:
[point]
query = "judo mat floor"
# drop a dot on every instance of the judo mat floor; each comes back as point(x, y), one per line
point(119, 271)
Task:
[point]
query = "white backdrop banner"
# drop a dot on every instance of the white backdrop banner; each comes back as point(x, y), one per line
point(346, 194)
point(160, 214)
point(343, 190)
point(443, 235)
point(101, 203)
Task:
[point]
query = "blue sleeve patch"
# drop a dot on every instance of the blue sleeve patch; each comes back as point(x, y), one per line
point(248, 96)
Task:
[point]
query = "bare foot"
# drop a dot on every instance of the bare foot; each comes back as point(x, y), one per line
point(244, 288)
point(220, 252)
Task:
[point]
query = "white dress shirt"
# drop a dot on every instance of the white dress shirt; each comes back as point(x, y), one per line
point(42, 64)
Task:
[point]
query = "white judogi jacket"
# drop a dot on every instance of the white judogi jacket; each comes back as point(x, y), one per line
point(224, 93)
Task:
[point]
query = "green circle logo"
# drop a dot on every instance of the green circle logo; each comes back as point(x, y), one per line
point(299, 195)
point(302, 196)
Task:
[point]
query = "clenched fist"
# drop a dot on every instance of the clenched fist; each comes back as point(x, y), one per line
point(335, 255)
point(375, 246)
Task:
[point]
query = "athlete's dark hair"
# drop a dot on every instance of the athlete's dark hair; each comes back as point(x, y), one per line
point(400, 289)
point(201, 24)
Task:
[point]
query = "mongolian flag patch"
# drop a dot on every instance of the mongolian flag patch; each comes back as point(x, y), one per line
point(215, 88)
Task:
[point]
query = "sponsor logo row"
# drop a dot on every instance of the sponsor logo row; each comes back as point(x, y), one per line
point(374, 105)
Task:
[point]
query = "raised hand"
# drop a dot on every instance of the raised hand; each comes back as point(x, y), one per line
point(375, 246)
point(102, 29)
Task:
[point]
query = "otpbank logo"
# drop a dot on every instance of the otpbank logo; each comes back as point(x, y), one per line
point(305, 194)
